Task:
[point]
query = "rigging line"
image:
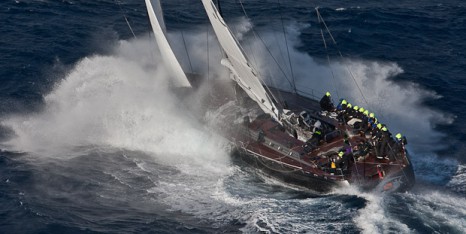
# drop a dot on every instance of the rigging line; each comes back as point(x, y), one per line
point(185, 46)
point(261, 160)
point(287, 49)
point(239, 45)
point(269, 94)
point(357, 170)
point(187, 53)
point(282, 57)
point(346, 65)
point(328, 57)
point(126, 19)
point(379, 163)
point(277, 100)
point(396, 158)
point(266, 47)
point(208, 52)
point(341, 56)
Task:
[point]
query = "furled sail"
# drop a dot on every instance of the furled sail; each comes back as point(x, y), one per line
point(242, 72)
point(169, 59)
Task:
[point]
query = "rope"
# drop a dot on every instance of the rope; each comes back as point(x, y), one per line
point(354, 159)
point(341, 56)
point(287, 49)
point(396, 158)
point(276, 100)
point(282, 57)
point(126, 19)
point(269, 94)
point(260, 159)
point(266, 47)
point(369, 163)
point(208, 52)
point(187, 53)
point(328, 57)
point(184, 44)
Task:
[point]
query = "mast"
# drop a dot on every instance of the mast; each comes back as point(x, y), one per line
point(243, 73)
point(169, 58)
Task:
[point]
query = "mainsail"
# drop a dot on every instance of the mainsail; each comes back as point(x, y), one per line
point(235, 60)
point(169, 59)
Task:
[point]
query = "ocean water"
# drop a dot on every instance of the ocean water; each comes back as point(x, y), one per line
point(93, 140)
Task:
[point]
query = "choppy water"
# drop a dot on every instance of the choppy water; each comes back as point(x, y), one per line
point(93, 141)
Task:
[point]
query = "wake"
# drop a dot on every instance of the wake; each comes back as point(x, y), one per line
point(123, 100)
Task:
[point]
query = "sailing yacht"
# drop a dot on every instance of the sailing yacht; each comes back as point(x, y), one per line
point(291, 138)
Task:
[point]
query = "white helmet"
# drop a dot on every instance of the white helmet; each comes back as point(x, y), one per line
point(317, 124)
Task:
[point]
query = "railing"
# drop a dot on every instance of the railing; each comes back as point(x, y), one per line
point(282, 149)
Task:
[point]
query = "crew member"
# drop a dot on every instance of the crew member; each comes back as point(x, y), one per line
point(315, 139)
point(372, 120)
point(355, 111)
point(348, 111)
point(341, 108)
point(317, 134)
point(362, 149)
point(344, 160)
point(400, 142)
point(377, 131)
point(401, 139)
point(342, 105)
point(360, 115)
point(326, 103)
point(383, 143)
point(366, 126)
point(333, 165)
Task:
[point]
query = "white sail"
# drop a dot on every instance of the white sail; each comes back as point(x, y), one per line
point(243, 73)
point(169, 58)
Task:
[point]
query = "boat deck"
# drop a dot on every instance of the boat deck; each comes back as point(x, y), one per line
point(271, 147)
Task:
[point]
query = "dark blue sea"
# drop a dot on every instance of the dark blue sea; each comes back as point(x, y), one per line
point(93, 140)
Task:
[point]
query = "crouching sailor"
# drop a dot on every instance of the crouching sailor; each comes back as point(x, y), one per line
point(344, 160)
point(326, 103)
point(314, 141)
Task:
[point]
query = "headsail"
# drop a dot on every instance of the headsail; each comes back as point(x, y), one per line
point(243, 73)
point(169, 58)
